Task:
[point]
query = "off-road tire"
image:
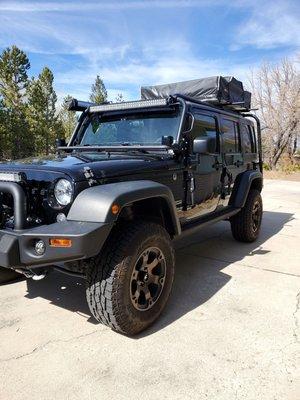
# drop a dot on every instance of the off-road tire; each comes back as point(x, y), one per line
point(243, 227)
point(109, 277)
point(8, 275)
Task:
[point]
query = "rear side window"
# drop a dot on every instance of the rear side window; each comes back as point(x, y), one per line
point(231, 137)
point(247, 139)
point(252, 138)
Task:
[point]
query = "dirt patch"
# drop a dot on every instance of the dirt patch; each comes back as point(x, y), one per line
point(294, 176)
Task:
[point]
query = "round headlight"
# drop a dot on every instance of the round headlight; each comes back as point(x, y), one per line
point(63, 192)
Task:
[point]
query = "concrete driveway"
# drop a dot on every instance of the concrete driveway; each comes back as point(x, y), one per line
point(231, 329)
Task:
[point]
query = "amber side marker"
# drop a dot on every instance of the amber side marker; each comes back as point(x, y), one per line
point(58, 242)
point(115, 209)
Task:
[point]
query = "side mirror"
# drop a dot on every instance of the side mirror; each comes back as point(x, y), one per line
point(205, 145)
point(60, 142)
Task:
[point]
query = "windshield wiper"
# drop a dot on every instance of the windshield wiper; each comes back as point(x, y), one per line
point(144, 152)
point(110, 148)
point(138, 148)
point(147, 151)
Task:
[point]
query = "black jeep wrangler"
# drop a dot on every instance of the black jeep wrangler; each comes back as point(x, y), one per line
point(133, 177)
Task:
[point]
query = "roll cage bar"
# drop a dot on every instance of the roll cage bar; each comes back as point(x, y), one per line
point(88, 107)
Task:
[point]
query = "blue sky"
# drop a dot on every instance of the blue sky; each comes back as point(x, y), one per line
point(130, 43)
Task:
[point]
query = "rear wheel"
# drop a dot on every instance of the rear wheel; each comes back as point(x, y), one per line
point(129, 283)
point(245, 226)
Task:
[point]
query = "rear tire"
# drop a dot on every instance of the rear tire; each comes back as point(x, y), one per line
point(129, 283)
point(245, 226)
point(8, 275)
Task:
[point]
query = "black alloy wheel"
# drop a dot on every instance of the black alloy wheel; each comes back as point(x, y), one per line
point(245, 226)
point(147, 279)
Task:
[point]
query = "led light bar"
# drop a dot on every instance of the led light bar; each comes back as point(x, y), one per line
point(129, 105)
point(11, 177)
point(78, 105)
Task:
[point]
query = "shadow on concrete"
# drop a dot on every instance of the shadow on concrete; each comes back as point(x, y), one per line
point(198, 277)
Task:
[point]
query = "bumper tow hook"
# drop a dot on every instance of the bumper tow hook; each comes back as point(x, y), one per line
point(30, 274)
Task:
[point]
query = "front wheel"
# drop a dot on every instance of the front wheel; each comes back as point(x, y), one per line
point(245, 226)
point(129, 283)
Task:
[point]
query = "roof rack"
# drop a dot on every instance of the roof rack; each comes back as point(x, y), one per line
point(195, 101)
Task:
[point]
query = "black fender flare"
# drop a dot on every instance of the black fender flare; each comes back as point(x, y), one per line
point(242, 186)
point(95, 203)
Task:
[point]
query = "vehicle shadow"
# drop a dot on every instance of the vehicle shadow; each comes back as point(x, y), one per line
point(198, 277)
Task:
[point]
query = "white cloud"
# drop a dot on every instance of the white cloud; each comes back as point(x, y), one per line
point(270, 25)
point(164, 66)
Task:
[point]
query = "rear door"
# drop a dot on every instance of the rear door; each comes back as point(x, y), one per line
point(232, 156)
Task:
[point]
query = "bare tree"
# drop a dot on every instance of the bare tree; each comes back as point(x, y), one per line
point(276, 94)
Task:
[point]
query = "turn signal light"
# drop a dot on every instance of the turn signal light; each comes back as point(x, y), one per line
point(57, 242)
point(115, 209)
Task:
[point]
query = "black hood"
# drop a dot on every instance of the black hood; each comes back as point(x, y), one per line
point(102, 165)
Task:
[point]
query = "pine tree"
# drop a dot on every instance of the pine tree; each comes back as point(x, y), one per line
point(44, 123)
point(15, 135)
point(99, 92)
point(68, 118)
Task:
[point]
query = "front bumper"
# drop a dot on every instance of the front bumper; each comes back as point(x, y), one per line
point(17, 247)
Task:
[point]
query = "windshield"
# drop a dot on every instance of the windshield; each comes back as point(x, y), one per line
point(137, 129)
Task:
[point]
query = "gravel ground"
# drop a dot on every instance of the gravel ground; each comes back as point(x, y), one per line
point(231, 329)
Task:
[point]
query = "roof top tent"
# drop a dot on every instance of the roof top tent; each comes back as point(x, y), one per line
point(217, 90)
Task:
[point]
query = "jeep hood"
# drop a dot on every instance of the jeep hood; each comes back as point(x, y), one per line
point(102, 165)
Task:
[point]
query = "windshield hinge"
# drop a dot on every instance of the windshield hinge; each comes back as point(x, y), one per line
point(89, 175)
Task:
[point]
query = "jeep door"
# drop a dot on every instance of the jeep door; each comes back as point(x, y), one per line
point(205, 168)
